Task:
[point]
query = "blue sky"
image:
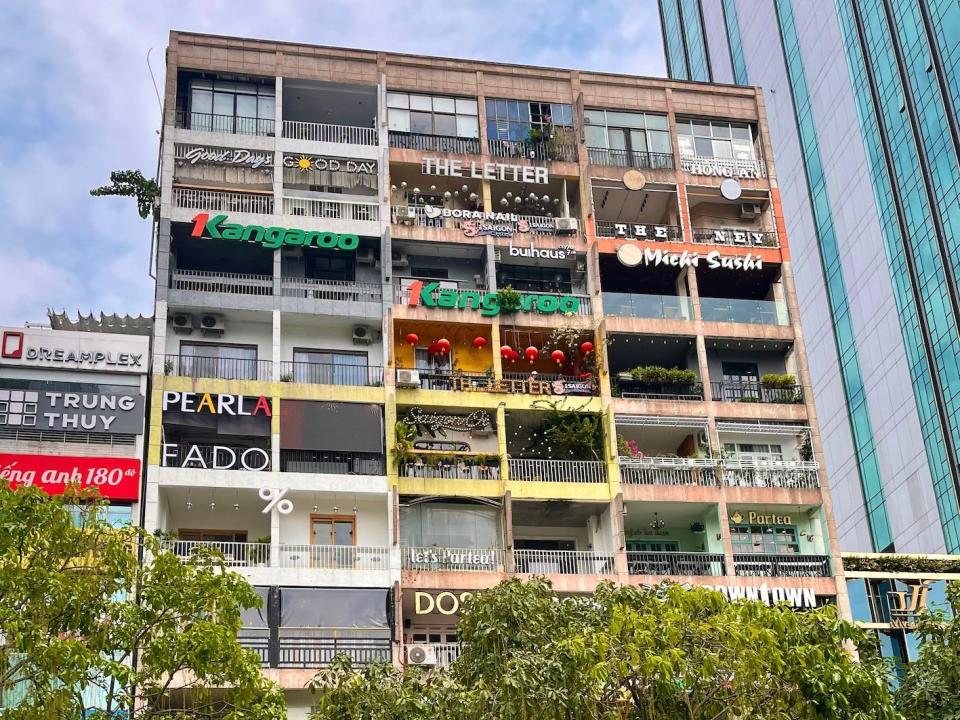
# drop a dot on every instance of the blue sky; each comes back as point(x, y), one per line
point(76, 102)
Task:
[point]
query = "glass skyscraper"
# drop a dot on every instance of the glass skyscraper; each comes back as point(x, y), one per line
point(862, 99)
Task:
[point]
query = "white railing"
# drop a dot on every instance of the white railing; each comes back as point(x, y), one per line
point(330, 290)
point(334, 557)
point(771, 473)
point(331, 209)
point(236, 554)
point(320, 132)
point(668, 471)
point(444, 559)
point(221, 201)
point(563, 562)
point(221, 282)
point(445, 653)
point(575, 471)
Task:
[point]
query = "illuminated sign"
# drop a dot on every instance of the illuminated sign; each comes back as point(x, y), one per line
point(206, 155)
point(66, 349)
point(273, 237)
point(431, 295)
point(485, 171)
point(753, 518)
point(445, 603)
point(632, 255)
point(114, 477)
point(721, 167)
point(447, 559)
point(560, 253)
point(215, 404)
point(305, 163)
point(477, 420)
point(904, 608)
point(497, 224)
point(215, 457)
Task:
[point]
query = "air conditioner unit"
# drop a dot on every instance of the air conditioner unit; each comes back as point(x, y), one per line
point(567, 224)
point(211, 325)
point(749, 211)
point(365, 256)
point(581, 268)
point(362, 335)
point(478, 280)
point(422, 655)
point(408, 378)
point(407, 215)
point(182, 323)
point(400, 259)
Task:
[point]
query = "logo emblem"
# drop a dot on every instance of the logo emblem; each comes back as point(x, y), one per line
point(737, 518)
point(12, 345)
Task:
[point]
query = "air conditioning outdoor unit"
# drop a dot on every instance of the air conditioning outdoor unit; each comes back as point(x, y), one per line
point(400, 259)
point(408, 215)
point(567, 224)
point(749, 211)
point(182, 323)
point(365, 256)
point(581, 268)
point(211, 325)
point(408, 378)
point(362, 335)
point(422, 655)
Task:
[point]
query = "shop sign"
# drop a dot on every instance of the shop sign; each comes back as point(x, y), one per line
point(769, 595)
point(753, 518)
point(717, 167)
point(305, 163)
point(447, 559)
point(642, 232)
point(632, 255)
point(19, 345)
point(203, 154)
point(431, 295)
point(44, 410)
point(477, 420)
point(528, 386)
point(273, 237)
point(485, 171)
point(738, 237)
point(560, 253)
point(475, 223)
point(215, 404)
point(445, 602)
point(219, 457)
point(115, 478)
point(905, 608)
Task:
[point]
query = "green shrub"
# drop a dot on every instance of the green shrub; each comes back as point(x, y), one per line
point(778, 380)
point(658, 375)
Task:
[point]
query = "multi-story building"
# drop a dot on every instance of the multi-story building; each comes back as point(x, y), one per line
point(425, 324)
point(863, 100)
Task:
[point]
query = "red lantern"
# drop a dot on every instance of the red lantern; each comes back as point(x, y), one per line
point(412, 339)
point(444, 345)
point(505, 351)
point(586, 348)
point(558, 357)
point(433, 349)
point(531, 354)
point(479, 342)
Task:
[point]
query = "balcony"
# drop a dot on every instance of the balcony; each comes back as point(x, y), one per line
point(542, 151)
point(668, 471)
point(760, 312)
point(771, 473)
point(756, 392)
point(437, 559)
point(309, 648)
point(630, 158)
point(759, 565)
point(331, 209)
point(660, 307)
point(697, 564)
point(631, 388)
point(289, 557)
point(211, 367)
point(451, 466)
point(527, 383)
point(230, 124)
point(434, 143)
point(221, 282)
point(343, 290)
point(736, 237)
point(223, 201)
point(320, 132)
point(321, 462)
point(639, 231)
point(563, 562)
point(572, 471)
point(331, 374)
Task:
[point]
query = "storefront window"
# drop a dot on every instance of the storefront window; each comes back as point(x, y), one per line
point(715, 139)
point(860, 605)
point(432, 115)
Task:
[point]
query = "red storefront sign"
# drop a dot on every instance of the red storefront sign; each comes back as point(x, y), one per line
point(115, 478)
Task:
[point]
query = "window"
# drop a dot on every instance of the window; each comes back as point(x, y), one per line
point(432, 115)
point(514, 119)
point(329, 266)
point(233, 107)
point(211, 360)
point(330, 367)
point(716, 139)
point(628, 138)
point(653, 546)
point(213, 536)
point(333, 530)
point(113, 515)
point(765, 539)
point(754, 451)
point(531, 278)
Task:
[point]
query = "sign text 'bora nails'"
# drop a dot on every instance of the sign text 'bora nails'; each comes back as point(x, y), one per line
point(217, 228)
point(485, 171)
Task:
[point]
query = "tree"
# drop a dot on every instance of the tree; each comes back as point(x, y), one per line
point(626, 654)
point(131, 183)
point(81, 617)
point(931, 688)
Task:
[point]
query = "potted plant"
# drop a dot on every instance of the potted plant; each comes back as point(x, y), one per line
point(168, 367)
point(509, 299)
point(286, 377)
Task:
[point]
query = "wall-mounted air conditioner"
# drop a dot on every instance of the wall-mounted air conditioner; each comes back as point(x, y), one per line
point(362, 335)
point(400, 259)
point(182, 323)
point(408, 378)
point(212, 325)
point(749, 210)
point(567, 224)
point(422, 655)
point(365, 256)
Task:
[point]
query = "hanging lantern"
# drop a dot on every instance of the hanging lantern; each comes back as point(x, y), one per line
point(433, 349)
point(479, 342)
point(531, 354)
point(412, 339)
point(514, 356)
point(558, 356)
point(586, 347)
point(443, 345)
point(505, 351)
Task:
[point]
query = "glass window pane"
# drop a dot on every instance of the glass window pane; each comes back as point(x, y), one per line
point(701, 128)
point(224, 86)
point(625, 119)
point(513, 110)
point(421, 102)
point(659, 142)
point(741, 132)
point(596, 136)
point(445, 124)
point(686, 145)
point(247, 106)
point(468, 126)
point(201, 101)
point(466, 106)
point(444, 105)
point(618, 139)
point(721, 149)
point(657, 122)
point(398, 119)
point(246, 88)
point(742, 150)
point(704, 146)
point(721, 130)
point(562, 114)
point(524, 110)
point(421, 123)
point(595, 117)
point(266, 107)
point(222, 104)
point(398, 100)
point(500, 108)
point(638, 141)
point(207, 84)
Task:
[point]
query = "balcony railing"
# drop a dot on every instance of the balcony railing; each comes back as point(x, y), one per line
point(761, 312)
point(311, 373)
point(668, 471)
point(331, 209)
point(735, 236)
point(317, 557)
point(543, 384)
point(417, 215)
point(223, 201)
point(676, 563)
point(630, 158)
point(572, 471)
point(324, 462)
point(758, 565)
point(632, 389)
point(530, 150)
point(663, 307)
point(771, 473)
point(330, 290)
point(208, 122)
point(464, 468)
point(443, 559)
point(435, 143)
point(235, 554)
point(756, 392)
point(320, 132)
point(445, 653)
point(221, 282)
point(218, 457)
point(634, 231)
point(312, 647)
point(195, 366)
point(563, 562)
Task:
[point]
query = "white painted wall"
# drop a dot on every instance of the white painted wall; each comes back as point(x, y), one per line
point(238, 332)
point(371, 518)
point(325, 333)
point(788, 443)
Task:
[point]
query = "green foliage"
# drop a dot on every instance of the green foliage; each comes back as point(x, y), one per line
point(778, 380)
point(900, 563)
point(571, 435)
point(76, 607)
point(658, 375)
point(404, 435)
point(131, 183)
point(509, 299)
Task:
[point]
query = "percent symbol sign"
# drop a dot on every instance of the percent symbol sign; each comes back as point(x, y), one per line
point(274, 499)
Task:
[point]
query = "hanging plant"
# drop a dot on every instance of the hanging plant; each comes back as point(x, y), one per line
point(572, 435)
point(509, 299)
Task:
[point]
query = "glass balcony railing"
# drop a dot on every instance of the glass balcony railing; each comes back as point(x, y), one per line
point(759, 312)
point(666, 307)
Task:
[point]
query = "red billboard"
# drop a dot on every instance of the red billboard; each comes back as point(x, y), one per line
point(115, 478)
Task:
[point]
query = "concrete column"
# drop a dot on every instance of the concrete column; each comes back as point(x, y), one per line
point(725, 536)
point(496, 342)
point(502, 440)
point(276, 355)
point(619, 540)
point(490, 257)
point(274, 537)
point(275, 435)
point(508, 532)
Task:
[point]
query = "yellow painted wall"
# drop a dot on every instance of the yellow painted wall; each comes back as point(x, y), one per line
point(465, 356)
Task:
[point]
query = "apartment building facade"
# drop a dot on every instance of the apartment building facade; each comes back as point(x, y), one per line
point(423, 324)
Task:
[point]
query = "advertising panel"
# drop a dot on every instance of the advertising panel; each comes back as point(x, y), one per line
point(115, 478)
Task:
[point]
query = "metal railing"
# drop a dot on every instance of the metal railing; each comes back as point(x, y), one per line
point(665, 307)
point(434, 143)
point(209, 122)
point(630, 158)
point(333, 557)
point(321, 132)
point(196, 366)
point(735, 236)
point(332, 462)
point(235, 554)
point(529, 383)
point(443, 559)
point(222, 201)
point(676, 563)
point(221, 282)
point(668, 471)
point(330, 290)
point(312, 373)
point(445, 653)
point(721, 167)
point(761, 312)
point(573, 471)
point(756, 392)
point(417, 215)
point(636, 390)
point(331, 209)
point(762, 565)
point(425, 467)
point(563, 562)
point(634, 231)
point(771, 473)
point(550, 150)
